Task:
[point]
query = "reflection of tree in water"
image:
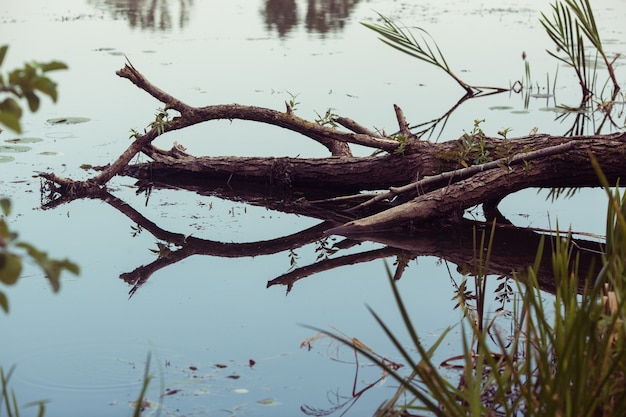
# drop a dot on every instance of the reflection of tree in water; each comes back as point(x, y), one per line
point(149, 14)
point(322, 16)
point(281, 14)
point(328, 15)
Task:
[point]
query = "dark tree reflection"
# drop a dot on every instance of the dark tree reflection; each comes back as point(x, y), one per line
point(322, 16)
point(149, 14)
point(281, 15)
point(328, 15)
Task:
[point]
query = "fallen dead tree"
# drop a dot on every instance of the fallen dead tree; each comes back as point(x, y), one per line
point(513, 249)
point(425, 182)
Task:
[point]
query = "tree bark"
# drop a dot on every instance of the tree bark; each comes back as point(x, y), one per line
point(423, 182)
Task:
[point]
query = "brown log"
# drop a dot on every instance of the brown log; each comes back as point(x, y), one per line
point(425, 181)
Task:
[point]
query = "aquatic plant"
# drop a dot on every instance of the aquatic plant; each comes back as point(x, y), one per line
point(564, 357)
point(12, 252)
point(573, 20)
point(422, 47)
point(26, 83)
point(8, 398)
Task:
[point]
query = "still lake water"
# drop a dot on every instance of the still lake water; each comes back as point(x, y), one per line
point(206, 318)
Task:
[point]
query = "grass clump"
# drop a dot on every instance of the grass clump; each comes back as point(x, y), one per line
point(563, 357)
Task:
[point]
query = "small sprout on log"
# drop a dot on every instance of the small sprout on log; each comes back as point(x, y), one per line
point(292, 103)
point(403, 141)
point(134, 134)
point(473, 147)
point(328, 119)
point(161, 121)
point(504, 132)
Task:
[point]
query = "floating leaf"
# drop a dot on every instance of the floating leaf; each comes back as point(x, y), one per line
point(14, 148)
point(240, 391)
point(67, 120)
point(24, 140)
point(4, 158)
point(267, 401)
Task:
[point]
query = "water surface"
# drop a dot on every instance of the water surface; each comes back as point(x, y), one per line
point(222, 343)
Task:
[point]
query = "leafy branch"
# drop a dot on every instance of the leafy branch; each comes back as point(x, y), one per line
point(422, 47)
point(25, 83)
point(11, 258)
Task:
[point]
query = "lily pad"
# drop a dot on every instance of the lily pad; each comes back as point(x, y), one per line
point(14, 148)
point(500, 108)
point(48, 153)
point(59, 135)
point(240, 391)
point(267, 401)
point(542, 95)
point(24, 140)
point(6, 158)
point(67, 120)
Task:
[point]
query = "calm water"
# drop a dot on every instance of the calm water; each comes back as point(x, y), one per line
point(206, 318)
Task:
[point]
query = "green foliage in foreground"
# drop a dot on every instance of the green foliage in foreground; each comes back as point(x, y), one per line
point(565, 357)
point(25, 83)
point(9, 401)
point(12, 252)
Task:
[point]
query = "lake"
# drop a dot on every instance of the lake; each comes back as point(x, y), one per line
point(221, 341)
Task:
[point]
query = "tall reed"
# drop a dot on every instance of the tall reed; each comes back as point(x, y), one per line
point(565, 357)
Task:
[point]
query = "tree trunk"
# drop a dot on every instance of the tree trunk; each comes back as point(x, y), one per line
point(422, 182)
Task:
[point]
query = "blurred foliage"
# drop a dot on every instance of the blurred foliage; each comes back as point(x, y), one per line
point(13, 251)
point(25, 83)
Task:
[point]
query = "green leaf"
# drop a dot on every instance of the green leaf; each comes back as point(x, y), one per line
point(53, 66)
point(5, 205)
point(33, 101)
point(11, 121)
point(3, 52)
point(10, 268)
point(4, 302)
point(51, 267)
point(10, 114)
point(46, 86)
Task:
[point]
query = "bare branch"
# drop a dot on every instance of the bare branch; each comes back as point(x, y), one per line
point(458, 174)
point(402, 124)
